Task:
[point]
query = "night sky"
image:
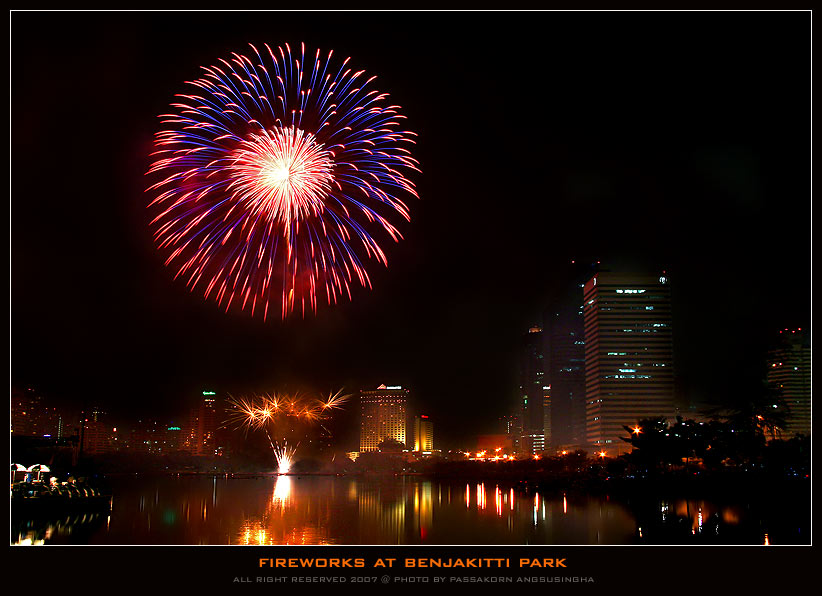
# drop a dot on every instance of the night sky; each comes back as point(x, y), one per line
point(648, 141)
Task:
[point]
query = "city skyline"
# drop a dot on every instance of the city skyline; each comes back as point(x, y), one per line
point(390, 412)
point(659, 154)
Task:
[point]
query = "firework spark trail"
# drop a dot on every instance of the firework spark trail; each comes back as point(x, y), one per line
point(274, 168)
point(285, 458)
point(269, 412)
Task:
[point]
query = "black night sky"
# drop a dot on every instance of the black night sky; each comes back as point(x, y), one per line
point(649, 140)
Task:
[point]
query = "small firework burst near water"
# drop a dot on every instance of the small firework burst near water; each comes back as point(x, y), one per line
point(278, 174)
point(285, 458)
point(278, 415)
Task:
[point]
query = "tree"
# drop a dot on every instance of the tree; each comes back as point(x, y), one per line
point(649, 437)
point(760, 411)
point(390, 445)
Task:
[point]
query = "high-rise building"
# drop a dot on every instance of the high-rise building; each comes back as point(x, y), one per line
point(534, 394)
point(423, 433)
point(564, 331)
point(628, 355)
point(174, 438)
point(789, 373)
point(383, 416)
point(97, 436)
point(511, 427)
point(202, 426)
point(31, 416)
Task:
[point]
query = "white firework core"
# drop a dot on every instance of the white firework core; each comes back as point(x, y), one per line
point(285, 457)
point(283, 175)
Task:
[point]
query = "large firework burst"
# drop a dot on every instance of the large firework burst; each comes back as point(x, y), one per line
point(279, 174)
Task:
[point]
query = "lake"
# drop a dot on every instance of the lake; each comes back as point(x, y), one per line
point(320, 510)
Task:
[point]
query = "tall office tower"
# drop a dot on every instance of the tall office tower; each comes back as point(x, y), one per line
point(511, 427)
point(789, 372)
point(546, 417)
point(202, 426)
point(628, 355)
point(382, 416)
point(564, 329)
point(207, 428)
point(423, 433)
point(536, 418)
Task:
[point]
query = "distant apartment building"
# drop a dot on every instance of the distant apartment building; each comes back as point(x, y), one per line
point(97, 434)
point(789, 373)
point(628, 354)
point(148, 436)
point(32, 417)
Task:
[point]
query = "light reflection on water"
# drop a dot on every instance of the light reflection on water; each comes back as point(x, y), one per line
point(320, 510)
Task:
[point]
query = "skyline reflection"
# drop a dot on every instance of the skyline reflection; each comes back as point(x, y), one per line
point(325, 510)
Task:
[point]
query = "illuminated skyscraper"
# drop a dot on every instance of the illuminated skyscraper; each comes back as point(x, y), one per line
point(423, 433)
point(203, 426)
point(382, 416)
point(534, 394)
point(789, 372)
point(628, 354)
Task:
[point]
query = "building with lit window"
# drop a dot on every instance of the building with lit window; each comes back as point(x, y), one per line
point(202, 426)
point(564, 331)
point(534, 394)
point(383, 415)
point(789, 373)
point(423, 433)
point(32, 417)
point(97, 436)
point(628, 355)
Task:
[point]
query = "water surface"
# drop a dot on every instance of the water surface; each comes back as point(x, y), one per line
point(219, 510)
